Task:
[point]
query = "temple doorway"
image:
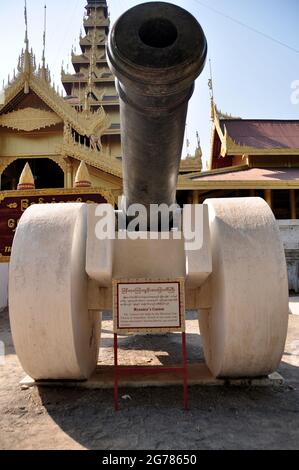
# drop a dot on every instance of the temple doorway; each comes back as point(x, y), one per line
point(47, 174)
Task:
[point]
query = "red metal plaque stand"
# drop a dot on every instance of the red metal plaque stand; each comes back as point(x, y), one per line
point(150, 370)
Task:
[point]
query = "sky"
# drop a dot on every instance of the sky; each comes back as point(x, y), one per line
point(253, 47)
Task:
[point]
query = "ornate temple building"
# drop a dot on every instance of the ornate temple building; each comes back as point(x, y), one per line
point(55, 133)
point(72, 142)
point(55, 148)
point(61, 148)
point(252, 157)
point(92, 86)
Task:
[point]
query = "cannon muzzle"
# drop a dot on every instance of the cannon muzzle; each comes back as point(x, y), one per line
point(156, 50)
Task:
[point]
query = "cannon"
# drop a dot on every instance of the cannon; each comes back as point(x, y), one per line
point(61, 272)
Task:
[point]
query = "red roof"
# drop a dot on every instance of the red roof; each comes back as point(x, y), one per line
point(253, 174)
point(263, 134)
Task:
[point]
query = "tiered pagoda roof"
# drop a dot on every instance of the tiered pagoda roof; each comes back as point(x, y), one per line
point(92, 85)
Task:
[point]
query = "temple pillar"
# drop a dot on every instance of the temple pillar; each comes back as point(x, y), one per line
point(14, 184)
point(293, 204)
point(190, 198)
point(269, 197)
point(69, 175)
point(195, 197)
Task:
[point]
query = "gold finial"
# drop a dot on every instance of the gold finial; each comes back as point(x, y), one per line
point(27, 56)
point(44, 41)
point(82, 179)
point(92, 64)
point(187, 141)
point(26, 26)
point(26, 181)
point(211, 88)
point(198, 151)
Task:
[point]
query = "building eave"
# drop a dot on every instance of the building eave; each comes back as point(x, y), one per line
point(215, 185)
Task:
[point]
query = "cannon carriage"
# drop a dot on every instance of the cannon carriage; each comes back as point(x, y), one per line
point(61, 273)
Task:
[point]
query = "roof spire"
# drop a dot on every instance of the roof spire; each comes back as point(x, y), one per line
point(92, 63)
point(187, 141)
point(198, 151)
point(44, 37)
point(43, 72)
point(27, 56)
point(26, 27)
point(211, 87)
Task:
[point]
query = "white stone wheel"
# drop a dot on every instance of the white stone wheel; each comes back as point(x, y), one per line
point(55, 336)
point(244, 332)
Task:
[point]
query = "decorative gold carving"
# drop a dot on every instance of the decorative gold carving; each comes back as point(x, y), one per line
point(108, 195)
point(92, 158)
point(85, 122)
point(89, 155)
point(29, 119)
point(5, 162)
point(12, 90)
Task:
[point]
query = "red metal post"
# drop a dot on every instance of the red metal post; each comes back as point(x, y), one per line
point(116, 373)
point(154, 370)
point(185, 369)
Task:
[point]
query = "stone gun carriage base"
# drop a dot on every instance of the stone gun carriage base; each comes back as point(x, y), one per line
point(61, 274)
point(237, 281)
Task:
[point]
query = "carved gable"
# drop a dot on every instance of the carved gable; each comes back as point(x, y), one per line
point(29, 119)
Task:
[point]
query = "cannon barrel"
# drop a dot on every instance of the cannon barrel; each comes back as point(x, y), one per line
point(156, 51)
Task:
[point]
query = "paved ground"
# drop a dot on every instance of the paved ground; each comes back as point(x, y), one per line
point(294, 305)
point(220, 418)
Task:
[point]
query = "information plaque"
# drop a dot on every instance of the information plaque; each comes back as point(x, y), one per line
point(149, 306)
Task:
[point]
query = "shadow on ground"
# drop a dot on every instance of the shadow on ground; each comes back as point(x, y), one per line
point(219, 418)
point(152, 418)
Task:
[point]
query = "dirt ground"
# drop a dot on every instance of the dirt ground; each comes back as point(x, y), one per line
point(151, 419)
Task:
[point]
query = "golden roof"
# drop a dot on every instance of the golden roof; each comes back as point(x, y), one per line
point(28, 78)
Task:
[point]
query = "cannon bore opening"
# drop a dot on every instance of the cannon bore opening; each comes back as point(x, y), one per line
point(158, 33)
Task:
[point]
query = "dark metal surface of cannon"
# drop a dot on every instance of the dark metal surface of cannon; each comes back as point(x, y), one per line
point(156, 50)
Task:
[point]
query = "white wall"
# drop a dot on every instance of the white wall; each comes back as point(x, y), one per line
point(4, 267)
point(290, 233)
point(289, 230)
